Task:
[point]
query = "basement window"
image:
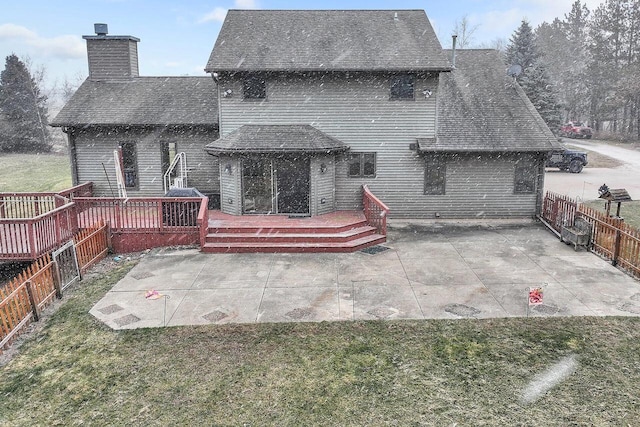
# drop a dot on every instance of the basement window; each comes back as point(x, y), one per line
point(254, 87)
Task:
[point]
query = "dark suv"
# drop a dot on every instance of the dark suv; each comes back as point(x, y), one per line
point(564, 159)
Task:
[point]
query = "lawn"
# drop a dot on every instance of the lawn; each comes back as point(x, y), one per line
point(467, 372)
point(34, 172)
point(630, 211)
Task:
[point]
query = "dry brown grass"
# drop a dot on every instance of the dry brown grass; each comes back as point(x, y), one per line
point(467, 372)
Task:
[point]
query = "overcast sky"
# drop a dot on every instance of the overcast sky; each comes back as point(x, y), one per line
point(178, 35)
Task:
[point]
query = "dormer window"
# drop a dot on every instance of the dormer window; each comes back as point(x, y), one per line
point(401, 86)
point(254, 87)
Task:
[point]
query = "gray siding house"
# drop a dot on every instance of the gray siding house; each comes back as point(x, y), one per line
point(304, 107)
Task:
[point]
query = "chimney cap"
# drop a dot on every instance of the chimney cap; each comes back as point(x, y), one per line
point(101, 29)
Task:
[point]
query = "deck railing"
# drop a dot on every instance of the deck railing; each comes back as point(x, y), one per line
point(27, 205)
point(375, 211)
point(29, 238)
point(141, 214)
point(82, 190)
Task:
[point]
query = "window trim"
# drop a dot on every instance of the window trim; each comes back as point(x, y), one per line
point(246, 88)
point(522, 166)
point(435, 163)
point(362, 155)
point(133, 169)
point(395, 82)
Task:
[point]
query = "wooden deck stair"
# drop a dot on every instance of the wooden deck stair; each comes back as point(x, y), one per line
point(344, 231)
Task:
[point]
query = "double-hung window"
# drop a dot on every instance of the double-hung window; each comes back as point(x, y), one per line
point(526, 174)
point(435, 172)
point(362, 165)
point(254, 87)
point(129, 164)
point(402, 87)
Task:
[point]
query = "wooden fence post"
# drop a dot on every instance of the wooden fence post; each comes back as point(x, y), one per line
point(32, 300)
point(57, 279)
point(616, 248)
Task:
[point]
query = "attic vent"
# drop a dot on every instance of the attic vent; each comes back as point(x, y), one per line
point(101, 29)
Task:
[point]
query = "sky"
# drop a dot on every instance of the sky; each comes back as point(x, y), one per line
point(176, 36)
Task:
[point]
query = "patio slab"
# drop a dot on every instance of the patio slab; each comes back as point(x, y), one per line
point(428, 271)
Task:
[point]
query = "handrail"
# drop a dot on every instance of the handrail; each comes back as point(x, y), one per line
point(181, 159)
point(81, 190)
point(375, 211)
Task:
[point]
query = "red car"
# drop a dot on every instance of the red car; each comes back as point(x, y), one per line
point(576, 130)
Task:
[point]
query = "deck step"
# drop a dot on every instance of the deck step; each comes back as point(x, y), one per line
point(294, 247)
point(278, 229)
point(311, 236)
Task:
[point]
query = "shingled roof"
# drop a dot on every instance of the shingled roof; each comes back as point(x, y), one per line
point(481, 109)
point(276, 139)
point(142, 101)
point(321, 40)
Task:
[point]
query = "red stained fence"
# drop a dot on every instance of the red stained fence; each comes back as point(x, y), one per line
point(23, 299)
point(92, 245)
point(611, 238)
point(375, 211)
point(559, 210)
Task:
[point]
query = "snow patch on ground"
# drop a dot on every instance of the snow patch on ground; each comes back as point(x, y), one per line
point(550, 378)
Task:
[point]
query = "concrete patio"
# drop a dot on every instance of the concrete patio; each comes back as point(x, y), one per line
point(429, 271)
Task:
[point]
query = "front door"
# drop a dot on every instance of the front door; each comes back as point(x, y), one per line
point(279, 186)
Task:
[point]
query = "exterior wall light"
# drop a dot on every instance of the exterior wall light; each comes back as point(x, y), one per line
point(323, 168)
point(228, 169)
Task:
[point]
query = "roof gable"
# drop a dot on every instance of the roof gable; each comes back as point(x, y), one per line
point(319, 40)
point(142, 101)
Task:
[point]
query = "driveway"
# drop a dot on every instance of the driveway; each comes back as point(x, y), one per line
point(584, 185)
point(427, 271)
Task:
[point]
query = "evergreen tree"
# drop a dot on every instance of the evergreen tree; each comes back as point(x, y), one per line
point(23, 109)
point(534, 79)
point(522, 49)
point(537, 85)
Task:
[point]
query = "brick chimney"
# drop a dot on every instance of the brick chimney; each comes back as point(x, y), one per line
point(111, 57)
